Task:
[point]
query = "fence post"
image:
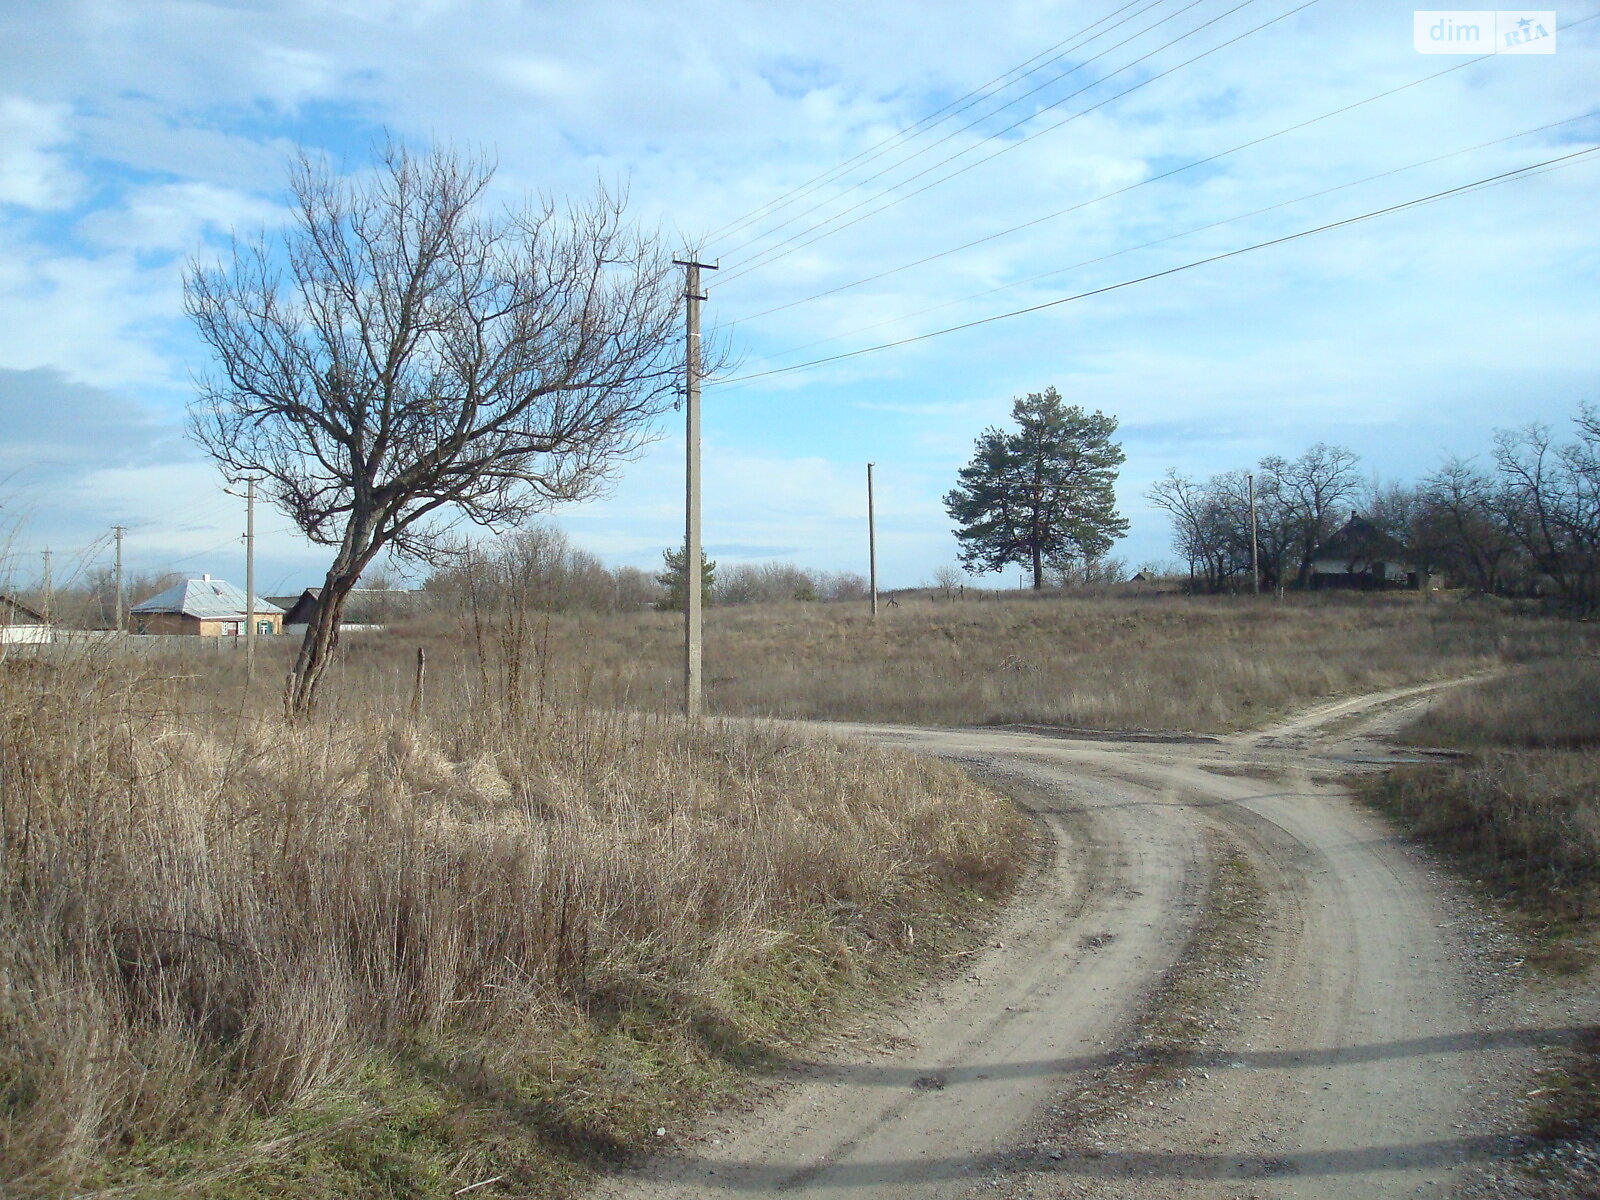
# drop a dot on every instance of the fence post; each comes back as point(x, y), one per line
point(416, 695)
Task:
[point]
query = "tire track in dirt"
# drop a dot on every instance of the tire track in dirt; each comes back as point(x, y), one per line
point(1352, 1074)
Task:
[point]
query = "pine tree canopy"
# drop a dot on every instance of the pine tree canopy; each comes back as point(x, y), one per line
point(1042, 494)
point(675, 580)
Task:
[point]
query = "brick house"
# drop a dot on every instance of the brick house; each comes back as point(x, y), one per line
point(203, 607)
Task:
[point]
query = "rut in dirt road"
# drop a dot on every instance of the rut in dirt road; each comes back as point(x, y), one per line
point(1354, 1065)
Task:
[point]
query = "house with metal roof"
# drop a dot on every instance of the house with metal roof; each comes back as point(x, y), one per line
point(203, 607)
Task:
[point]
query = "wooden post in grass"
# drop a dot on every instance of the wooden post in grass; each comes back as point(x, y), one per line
point(1255, 566)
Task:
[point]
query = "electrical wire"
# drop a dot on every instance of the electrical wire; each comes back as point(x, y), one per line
point(1072, 208)
point(955, 107)
point(1141, 183)
point(1567, 159)
point(1510, 137)
point(778, 252)
point(860, 183)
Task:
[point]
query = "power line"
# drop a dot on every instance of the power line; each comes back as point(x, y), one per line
point(1141, 183)
point(953, 108)
point(972, 124)
point(1168, 174)
point(772, 253)
point(778, 251)
point(1169, 237)
point(1189, 266)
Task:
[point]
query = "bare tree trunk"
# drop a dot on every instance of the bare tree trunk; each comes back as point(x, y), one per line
point(322, 635)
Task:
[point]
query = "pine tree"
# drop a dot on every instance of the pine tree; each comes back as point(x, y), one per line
point(1042, 495)
point(674, 579)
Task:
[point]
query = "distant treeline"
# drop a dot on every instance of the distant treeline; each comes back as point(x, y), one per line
point(1526, 523)
point(539, 567)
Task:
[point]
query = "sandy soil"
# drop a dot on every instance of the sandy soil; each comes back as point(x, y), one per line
point(1367, 1053)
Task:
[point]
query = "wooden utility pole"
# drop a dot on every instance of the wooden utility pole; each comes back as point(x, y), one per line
point(249, 579)
point(691, 526)
point(118, 621)
point(872, 543)
point(47, 587)
point(1255, 566)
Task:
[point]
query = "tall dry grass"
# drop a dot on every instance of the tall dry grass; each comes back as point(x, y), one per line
point(1163, 662)
point(1522, 810)
point(371, 956)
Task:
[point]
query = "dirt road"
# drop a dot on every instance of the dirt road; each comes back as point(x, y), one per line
point(1354, 1063)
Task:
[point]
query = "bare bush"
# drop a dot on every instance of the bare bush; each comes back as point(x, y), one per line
point(775, 583)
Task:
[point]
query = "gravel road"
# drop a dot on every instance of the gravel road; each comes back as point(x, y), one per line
point(1365, 1051)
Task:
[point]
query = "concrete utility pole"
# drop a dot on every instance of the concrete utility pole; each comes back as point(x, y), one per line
point(1255, 566)
point(691, 525)
point(249, 579)
point(872, 544)
point(118, 622)
point(47, 589)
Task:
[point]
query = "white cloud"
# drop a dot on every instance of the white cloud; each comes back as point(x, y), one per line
point(34, 172)
point(176, 218)
point(103, 318)
point(133, 133)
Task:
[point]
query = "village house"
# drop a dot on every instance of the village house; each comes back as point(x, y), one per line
point(203, 607)
point(1360, 555)
point(20, 623)
point(364, 608)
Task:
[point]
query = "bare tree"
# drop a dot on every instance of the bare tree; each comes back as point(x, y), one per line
point(1549, 501)
point(1190, 506)
point(400, 359)
point(947, 579)
point(1457, 527)
point(1296, 506)
point(1314, 488)
point(1211, 525)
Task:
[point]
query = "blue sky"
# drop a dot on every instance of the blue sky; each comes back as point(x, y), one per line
point(133, 135)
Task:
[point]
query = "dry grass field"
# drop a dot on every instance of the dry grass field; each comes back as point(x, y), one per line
point(369, 956)
point(1522, 809)
point(516, 931)
point(1162, 661)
